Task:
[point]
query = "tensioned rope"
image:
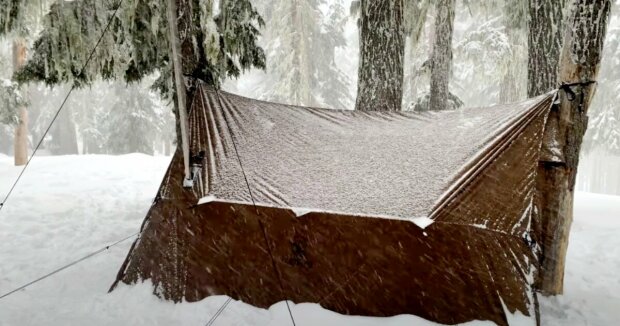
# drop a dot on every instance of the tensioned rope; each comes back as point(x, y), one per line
point(260, 221)
point(75, 262)
point(219, 312)
point(90, 56)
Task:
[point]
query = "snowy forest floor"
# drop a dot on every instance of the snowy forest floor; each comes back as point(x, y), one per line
point(69, 206)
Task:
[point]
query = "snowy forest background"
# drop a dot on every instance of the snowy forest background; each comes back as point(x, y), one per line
point(312, 55)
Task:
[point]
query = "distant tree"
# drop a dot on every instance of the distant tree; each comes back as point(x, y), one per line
point(604, 124)
point(441, 61)
point(19, 19)
point(415, 16)
point(382, 50)
point(64, 134)
point(334, 88)
point(133, 121)
point(10, 99)
point(513, 72)
point(485, 52)
point(492, 53)
point(20, 142)
point(301, 65)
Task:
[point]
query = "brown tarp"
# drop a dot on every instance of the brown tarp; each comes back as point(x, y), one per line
point(340, 202)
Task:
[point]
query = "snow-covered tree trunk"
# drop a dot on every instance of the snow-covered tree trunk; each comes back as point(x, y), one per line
point(415, 18)
point(544, 44)
point(579, 63)
point(301, 59)
point(441, 61)
point(21, 130)
point(382, 51)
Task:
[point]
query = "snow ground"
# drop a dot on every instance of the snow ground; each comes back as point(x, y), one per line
point(66, 207)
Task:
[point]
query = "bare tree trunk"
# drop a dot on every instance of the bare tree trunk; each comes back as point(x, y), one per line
point(513, 85)
point(508, 88)
point(579, 63)
point(167, 147)
point(65, 135)
point(441, 61)
point(544, 44)
point(415, 18)
point(382, 51)
point(21, 130)
point(5, 140)
point(301, 58)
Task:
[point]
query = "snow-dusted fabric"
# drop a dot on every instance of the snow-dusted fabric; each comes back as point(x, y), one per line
point(333, 198)
point(394, 164)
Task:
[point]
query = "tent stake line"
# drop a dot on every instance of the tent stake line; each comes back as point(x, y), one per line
point(92, 254)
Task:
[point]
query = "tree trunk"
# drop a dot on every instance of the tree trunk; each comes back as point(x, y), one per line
point(167, 147)
point(301, 59)
point(508, 88)
point(513, 86)
point(415, 18)
point(441, 61)
point(21, 130)
point(544, 44)
point(579, 63)
point(5, 140)
point(192, 58)
point(382, 50)
point(64, 134)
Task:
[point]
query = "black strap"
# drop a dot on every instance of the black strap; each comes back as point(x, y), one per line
point(566, 87)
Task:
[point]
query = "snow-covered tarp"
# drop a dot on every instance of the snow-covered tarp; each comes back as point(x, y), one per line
point(371, 163)
point(315, 205)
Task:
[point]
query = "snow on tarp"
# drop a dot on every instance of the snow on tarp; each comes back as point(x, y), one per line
point(374, 163)
point(334, 195)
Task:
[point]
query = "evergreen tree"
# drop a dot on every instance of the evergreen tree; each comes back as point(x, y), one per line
point(10, 100)
point(333, 85)
point(484, 51)
point(382, 47)
point(133, 121)
point(301, 65)
point(491, 55)
point(604, 125)
point(214, 44)
point(20, 19)
point(514, 76)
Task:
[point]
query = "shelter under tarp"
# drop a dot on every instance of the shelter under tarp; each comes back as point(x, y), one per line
point(366, 213)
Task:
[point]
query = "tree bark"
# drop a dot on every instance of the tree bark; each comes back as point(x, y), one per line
point(382, 50)
point(544, 45)
point(579, 63)
point(21, 130)
point(441, 61)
